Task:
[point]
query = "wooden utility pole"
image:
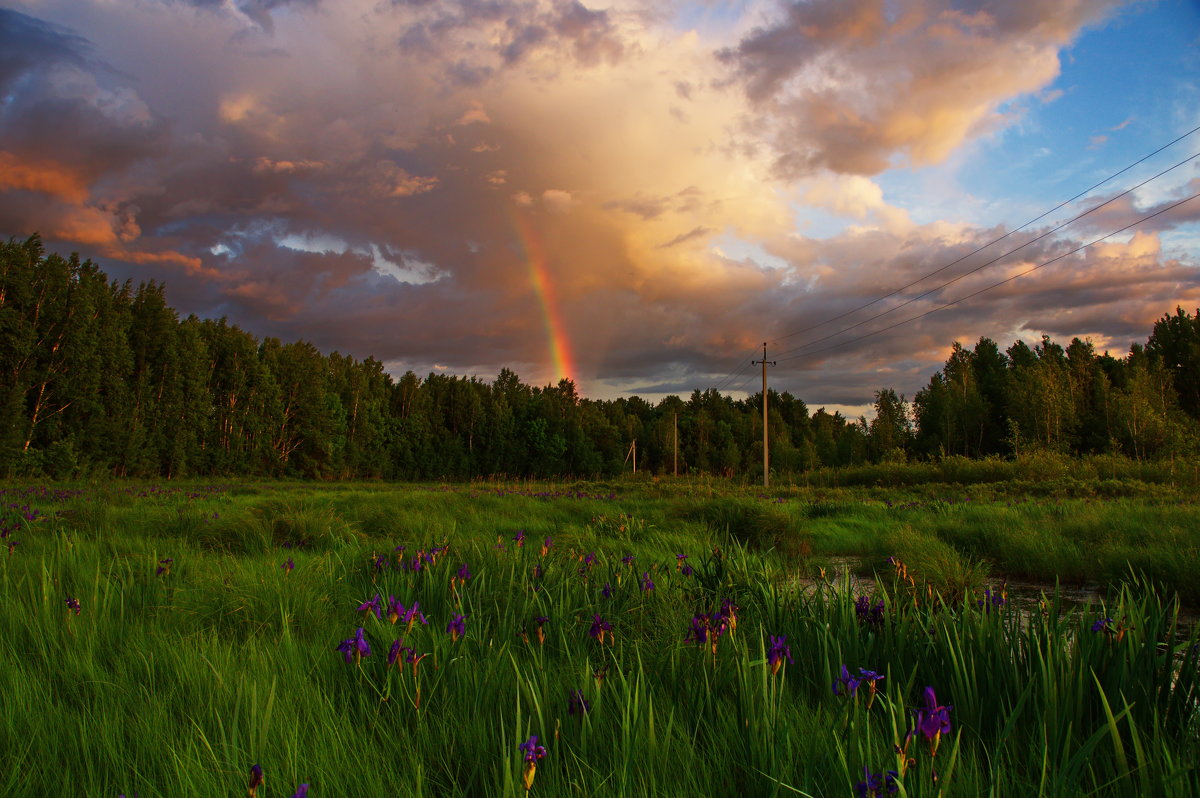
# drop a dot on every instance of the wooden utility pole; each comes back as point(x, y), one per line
point(766, 446)
point(632, 451)
point(675, 430)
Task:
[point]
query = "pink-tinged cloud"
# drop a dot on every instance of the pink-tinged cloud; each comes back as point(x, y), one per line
point(348, 173)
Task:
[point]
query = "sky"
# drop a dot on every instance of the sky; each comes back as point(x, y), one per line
point(634, 194)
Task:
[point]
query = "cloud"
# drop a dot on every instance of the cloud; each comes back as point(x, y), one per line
point(848, 85)
point(380, 177)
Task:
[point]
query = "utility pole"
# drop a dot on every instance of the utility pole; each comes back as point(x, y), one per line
point(632, 452)
point(675, 430)
point(766, 447)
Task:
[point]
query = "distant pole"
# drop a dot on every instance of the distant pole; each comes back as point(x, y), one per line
point(675, 430)
point(766, 446)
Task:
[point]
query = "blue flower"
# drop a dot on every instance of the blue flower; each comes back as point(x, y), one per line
point(776, 653)
point(355, 648)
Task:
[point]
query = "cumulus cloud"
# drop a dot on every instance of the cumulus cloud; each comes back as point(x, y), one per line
point(382, 178)
point(848, 85)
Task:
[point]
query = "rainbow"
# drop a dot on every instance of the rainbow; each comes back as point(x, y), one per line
point(543, 288)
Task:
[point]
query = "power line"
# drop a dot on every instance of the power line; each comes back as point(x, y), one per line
point(985, 246)
point(733, 375)
point(983, 266)
point(997, 284)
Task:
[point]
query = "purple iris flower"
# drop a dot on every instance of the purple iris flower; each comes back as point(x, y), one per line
point(394, 652)
point(464, 573)
point(607, 590)
point(647, 585)
point(1102, 625)
point(686, 570)
point(541, 620)
point(301, 791)
point(628, 560)
point(164, 567)
point(413, 614)
point(577, 704)
point(600, 629)
point(868, 613)
point(256, 778)
point(457, 627)
point(990, 600)
point(519, 538)
point(73, 605)
point(367, 607)
point(876, 784)
point(355, 648)
point(849, 684)
point(288, 565)
point(698, 634)
point(776, 653)
point(934, 720)
point(531, 750)
point(394, 609)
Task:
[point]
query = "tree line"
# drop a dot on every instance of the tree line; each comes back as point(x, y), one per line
point(101, 377)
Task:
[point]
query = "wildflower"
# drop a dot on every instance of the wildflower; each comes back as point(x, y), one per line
point(607, 590)
point(599, 675)
point(577, 704)
point(647, 585)
point(628, 561)
point(872, 615)
point(698, 634)
point(933, 720)
point(1102, 625)
point(519, 538)
point(393, 657)
point(532, 753)
point(729, 613)
point(538, 571)
point(600, 629)
point(256, 779)
point(367, 607)
point(412, 615)
point(395, 609)
point(990, 600)
point(457, 627)
point(73, 606)
point(876, 784)
point(355, 648)
point(288, 565)
point(546, 545)
point(777, 652)
point(460, 577)
point(301, 791)
point(849, 684)
point(164, 567)
point(686, 570)
point(540, 620)
point(680, 561)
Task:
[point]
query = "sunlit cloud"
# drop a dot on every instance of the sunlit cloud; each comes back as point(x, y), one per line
point(697, 178)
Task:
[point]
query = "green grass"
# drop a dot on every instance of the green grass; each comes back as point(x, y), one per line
point(176, 683)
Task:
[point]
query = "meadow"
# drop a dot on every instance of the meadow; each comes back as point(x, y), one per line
point(655, 637)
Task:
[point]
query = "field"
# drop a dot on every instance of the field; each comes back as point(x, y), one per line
point(657, 638)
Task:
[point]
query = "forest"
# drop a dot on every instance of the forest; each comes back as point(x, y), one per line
point(105, 378)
